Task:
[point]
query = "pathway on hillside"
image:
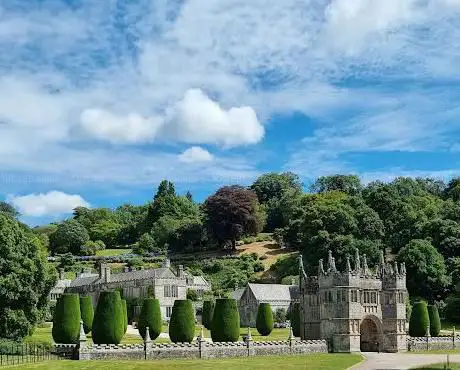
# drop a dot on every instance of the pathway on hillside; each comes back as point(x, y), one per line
point(400, 361)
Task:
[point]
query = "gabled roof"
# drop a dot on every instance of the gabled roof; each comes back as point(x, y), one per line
point(237, 293)
point(274, 292)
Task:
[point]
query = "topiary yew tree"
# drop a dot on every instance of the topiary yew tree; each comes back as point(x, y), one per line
point(264, 321)
point(150, 317)
point(225, 325)
point(108, 324)
point(295, 319)
point(26, 279)
point(66, 320)
point(87, 313)
point(435, 321)
point(125, 314)
point(208, 313)
point(182, 323)
point(419, 320)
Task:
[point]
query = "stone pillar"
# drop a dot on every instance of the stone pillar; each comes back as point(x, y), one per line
point(202, 344)
point(453, 337)
point(291, 339)
point(147, 342)
point(428, 337)
point(250, 343)
point(81, 343)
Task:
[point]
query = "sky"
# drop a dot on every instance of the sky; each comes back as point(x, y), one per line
point(101, 100)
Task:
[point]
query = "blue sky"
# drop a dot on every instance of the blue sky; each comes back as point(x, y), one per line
point(100, 100)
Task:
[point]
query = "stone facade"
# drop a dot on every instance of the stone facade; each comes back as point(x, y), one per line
point(355, 310)
point(163, 283)
point(277, 295)
point(61, 285)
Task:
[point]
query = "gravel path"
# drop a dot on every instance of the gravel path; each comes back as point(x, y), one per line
point(400, 361)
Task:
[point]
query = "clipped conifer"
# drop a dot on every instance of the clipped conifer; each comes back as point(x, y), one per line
point(125, 314)
point(182, 323)
point(435, 321)
point(87, 313)
point(225, 325)
point(208, 312)
point(295, 319)
point(419, 320)
point(264, 321)
point(150, 317)
point(108, 324)
point(66, 320)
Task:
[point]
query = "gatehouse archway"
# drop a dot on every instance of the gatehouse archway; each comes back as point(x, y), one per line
point(371, 334)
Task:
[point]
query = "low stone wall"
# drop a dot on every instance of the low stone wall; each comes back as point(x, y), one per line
point(432, 343)
point(199, 349)
point(67, 351)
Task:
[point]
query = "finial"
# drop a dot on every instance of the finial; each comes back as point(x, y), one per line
point(403, 268)
point(147, 335)
point(382, 258)
point(329, 259)
point(365, 267)
point(396, 272)
point(348, 267)
point(291, 333)
point(333, 268)
point(249, 336)
point(82, 332)
point(357, 261)
point(320, 267)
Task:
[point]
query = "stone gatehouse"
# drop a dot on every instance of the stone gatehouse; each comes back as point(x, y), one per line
point(357, 309)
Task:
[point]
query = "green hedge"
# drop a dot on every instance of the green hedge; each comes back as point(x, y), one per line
point(264, 321)
point(182, 323)
point(150, 316)
point(435, 321)
point(295, 319)
point(108, 324)
point(87, 313)
point(225, 325)
point(208, 312)
point(66, 320)
point(452, 310)
point(419, 320)
point(125, 314)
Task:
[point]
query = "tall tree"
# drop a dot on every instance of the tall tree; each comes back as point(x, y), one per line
point(231, 213)
point(70, 236)
point(452, 190)
point(348, 184)
point(8, 209)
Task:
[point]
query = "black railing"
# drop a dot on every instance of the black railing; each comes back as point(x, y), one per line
point(16, 354)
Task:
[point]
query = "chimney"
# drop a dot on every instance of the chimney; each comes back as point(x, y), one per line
point(180, 272)
point(61, 274)
point(104, 272)
point(166, 263)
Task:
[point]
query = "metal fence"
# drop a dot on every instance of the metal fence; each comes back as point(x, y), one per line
point(16, 354)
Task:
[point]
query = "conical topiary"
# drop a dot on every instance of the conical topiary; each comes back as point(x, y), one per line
point(264, 321)
point(150, 317)
point(295, 319)
point(87, 313)
point(182, 322)
point(435, 321)
point(66, 320)
point(108, 324)
point(419, 320)
point(225, 325)
point(208, 312)
point(125, 314)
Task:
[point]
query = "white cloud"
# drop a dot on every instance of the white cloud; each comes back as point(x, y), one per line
point(195, 154)
point(46, 204)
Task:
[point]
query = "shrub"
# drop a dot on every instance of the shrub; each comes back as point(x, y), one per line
point(192, 295)
point(182, 323)
point(435, 321)
point(150, 316)
point(66, 321)
point(87, 313)
point(125, 315)
point(208, 312)
point(452, 310)
point(225, 325)
point(264, 321)
point(295, 319)
point(258, 266)
point(108, 325)
point(419, 320)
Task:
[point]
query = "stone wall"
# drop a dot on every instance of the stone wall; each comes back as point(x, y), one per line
point(432, 343)
point(200, 349)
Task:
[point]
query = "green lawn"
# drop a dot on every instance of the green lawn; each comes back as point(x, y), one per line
point(313, 362)
point(113, 252)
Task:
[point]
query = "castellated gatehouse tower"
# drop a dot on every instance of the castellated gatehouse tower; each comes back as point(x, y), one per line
point(359, 309)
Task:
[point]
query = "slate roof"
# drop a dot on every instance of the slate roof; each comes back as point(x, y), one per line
point(61, 284)
point(237, 293)
point(274, 292)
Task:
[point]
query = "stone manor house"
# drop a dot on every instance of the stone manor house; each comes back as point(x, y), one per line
point(357, 309)
point(166, 284)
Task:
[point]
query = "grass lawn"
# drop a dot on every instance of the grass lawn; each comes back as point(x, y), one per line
point(313, 362)
point(113, 252)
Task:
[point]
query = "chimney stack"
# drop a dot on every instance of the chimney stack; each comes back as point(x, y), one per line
point(61, 274)
point(104, 273)
point(166, 263)
point(180, 272)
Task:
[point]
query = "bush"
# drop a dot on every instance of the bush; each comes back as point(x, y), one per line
point(150, 316)
point(208, 312)
point(108, 324)
point(264, 321)
point(87, 313)
point(419, 320)
point(125, 314)
point(295, 319)
point(192, 295)
point(225, 325)
point(258, 266)
point(66, 321)
point(435, 321)
point(182, 323)
point(280, 315)
point(452, 310)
